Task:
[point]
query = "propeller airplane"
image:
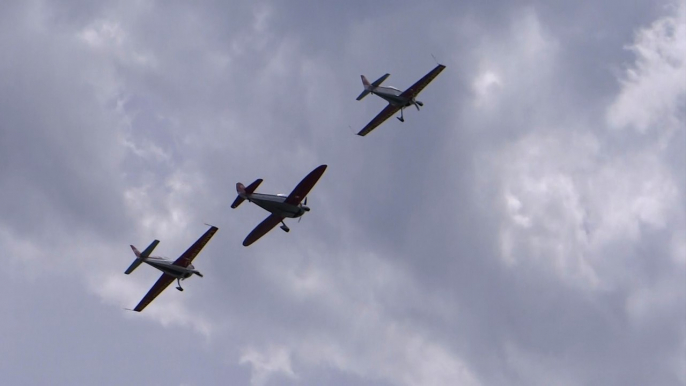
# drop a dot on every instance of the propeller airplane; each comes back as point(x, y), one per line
point(180, 269)
point(397, 100)
point(281, 206)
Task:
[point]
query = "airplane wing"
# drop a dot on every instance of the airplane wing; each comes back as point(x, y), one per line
point(262, 229)
point(304, 187)
point(379, 119)
point(414, 90)
point(188, 256)
point(159, 286)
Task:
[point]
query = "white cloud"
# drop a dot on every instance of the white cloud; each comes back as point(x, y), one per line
point(379, 348)
point(569, 202)
point(537, 369)
point(359, 291)
point(110, 38)
point(516, 66)
point(566, 203)
point(568, 197)
point(266, 364)
point(103, 33)
point(169, 309)
point(485, 85)
point(547, 213)
point(654, 86)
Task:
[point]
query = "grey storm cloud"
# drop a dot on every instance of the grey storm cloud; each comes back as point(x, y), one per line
point(527, 227)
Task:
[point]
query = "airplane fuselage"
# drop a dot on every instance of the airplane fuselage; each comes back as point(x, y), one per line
point(170, 269)
point(275, 203)
point(392, 95)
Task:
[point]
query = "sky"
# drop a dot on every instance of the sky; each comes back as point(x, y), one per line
point(526, 227)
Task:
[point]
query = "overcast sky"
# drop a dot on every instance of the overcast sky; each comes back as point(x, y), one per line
point(527, 227)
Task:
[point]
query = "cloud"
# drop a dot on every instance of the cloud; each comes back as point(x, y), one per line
point(603, 211)
point(654, 86)
point(267, 364)
point(566, 204)
point(357, 301)
point(509, 233)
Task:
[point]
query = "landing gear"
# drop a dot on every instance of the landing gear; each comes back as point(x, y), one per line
point(284, 227)
point(400, 118)
point(178, 281)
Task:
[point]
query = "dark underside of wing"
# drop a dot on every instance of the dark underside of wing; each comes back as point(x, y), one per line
point(416, 88)
point(300, 192)
point(190, 254)
point(379, 119)
point(265, 226)
point(159, 286)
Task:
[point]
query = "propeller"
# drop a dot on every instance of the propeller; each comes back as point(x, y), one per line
point(304, 207)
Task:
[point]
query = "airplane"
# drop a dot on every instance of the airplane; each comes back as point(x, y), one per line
point(180, 269)
point(280, 205)
point(397, 100)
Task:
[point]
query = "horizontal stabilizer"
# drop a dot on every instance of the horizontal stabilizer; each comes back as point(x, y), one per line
point(243, 192)
point(239, 200)
point(133, 266)
point(367, 88)
point(146, 253)
point(141, 256)
point(370, 87)
point(378, 82)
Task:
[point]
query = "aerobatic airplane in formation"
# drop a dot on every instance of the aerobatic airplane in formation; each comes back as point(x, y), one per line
point(180, 269)
point(280, 206)
point(397, 100)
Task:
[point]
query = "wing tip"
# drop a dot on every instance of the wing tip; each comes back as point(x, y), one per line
point(364, 132)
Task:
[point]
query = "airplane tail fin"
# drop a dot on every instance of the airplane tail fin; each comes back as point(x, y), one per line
point(244, 192)
point(141, 256)
point(367, 88)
